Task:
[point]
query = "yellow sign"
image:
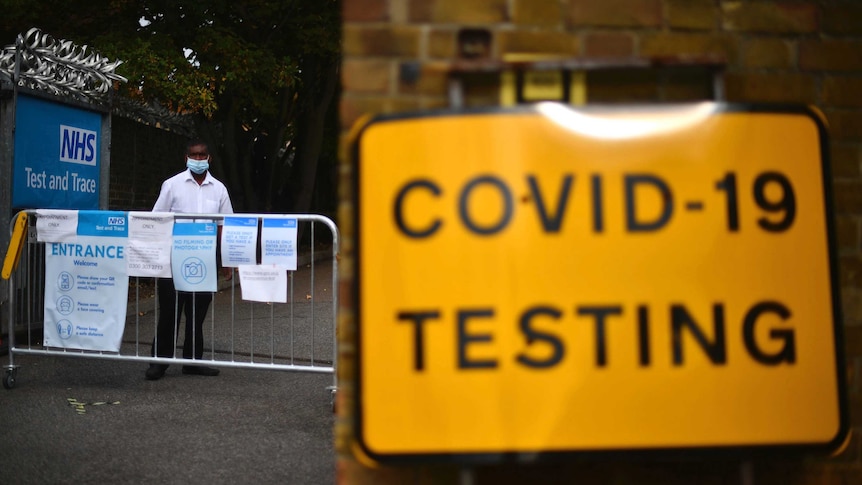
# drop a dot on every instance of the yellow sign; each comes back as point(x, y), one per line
point(555, 280)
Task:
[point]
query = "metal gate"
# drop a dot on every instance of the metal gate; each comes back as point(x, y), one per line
point(298, 335)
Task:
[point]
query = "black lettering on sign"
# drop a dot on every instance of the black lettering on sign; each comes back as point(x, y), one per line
point(551, 223)
point(788, 350)
point(465, 339)
point(599, 313)
point(643, 336)
point(715, 350)
point(533, 335)
point(505, 194)
point(399, 210)
point(786, 204)
point(545, 348)
point(598, 210)
point(632, 222)
point(418, 319)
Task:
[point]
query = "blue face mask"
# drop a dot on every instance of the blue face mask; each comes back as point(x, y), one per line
point(197, 166)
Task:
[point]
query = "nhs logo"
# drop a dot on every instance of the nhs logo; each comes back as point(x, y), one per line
point(78, 145)
point(116, 221)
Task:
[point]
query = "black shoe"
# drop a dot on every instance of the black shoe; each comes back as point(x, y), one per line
point(200, 371)
point(156, 372)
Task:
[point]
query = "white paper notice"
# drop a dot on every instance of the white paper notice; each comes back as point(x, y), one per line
point(263, 283)
point(278, 242)
point(86, 287)
point(239, 241)
point(56, 225)
point(193, 260)
point(148, 252)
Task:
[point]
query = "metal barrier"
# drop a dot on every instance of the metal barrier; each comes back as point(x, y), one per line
point(298, 335)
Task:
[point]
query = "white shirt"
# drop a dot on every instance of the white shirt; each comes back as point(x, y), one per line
point(182, 194)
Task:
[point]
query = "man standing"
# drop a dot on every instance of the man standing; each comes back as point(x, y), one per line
point(193, 191)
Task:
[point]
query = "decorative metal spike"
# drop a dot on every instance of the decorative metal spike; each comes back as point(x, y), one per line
point(59, 66)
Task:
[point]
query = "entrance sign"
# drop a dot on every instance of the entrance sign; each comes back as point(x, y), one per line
point(546, 279)
point(86, 287)
point(57, 155)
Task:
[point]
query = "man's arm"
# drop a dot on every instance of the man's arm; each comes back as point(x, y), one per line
point(225, 206)
point(163, 202)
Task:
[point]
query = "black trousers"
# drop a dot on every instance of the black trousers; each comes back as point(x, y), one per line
point(172, 305)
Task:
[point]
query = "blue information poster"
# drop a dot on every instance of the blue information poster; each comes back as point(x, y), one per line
point(86, 287)
point(56, 157)
point(193, 258)
point(239, 241)
point(279, 242)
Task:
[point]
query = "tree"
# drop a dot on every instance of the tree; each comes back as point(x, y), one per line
point(259, 78)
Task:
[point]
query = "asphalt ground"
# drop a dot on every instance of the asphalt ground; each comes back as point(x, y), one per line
point(87, 420)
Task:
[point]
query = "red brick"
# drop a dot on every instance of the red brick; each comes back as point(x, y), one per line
point(847, 233)
point(538, 13)
point(615, 13)
point(443, 44)
point(773, 88)
point(458, 11)
point(352, 108)
point(845, 159)
point(364, 11)
point(853, 343)
point(845, 125)
point(842, 92)
point(690, 44)
point(420, 11)
point(767, 53)
point(366, 76)
point(841, 18)
point(830, 55)
point(771, 17)
point(602, 45)
point(851, 303)
point(399, 41)
point(539, 42)
point(431, 81)
point(692, 14)
point(851, 271)
point(848, 197)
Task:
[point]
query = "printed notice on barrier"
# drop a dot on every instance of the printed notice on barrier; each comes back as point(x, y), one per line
point(56, 225)
point(263, 283)
point(239, 241)
point(193, 260)
point(149, 249)
point(278, 242)
point(86, 287)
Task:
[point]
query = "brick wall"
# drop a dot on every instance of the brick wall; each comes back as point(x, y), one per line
point(799, 51)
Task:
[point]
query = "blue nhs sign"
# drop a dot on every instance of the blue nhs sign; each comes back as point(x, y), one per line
point(78, 145)
point(57, 155)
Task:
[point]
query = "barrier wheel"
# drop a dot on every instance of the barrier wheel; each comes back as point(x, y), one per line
point(9, 380)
